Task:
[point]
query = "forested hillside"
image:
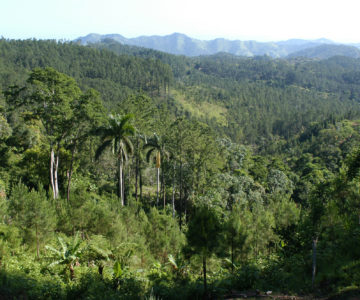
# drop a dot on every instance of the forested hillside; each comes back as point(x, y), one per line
point(258, 98)
point(128, 173)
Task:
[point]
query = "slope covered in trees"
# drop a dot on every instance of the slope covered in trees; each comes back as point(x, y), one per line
point(259, 97)
point(115, 182)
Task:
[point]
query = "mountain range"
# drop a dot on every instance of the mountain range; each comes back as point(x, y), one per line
point(181, 44)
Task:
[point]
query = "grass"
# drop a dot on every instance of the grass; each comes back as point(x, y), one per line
point(202, 109)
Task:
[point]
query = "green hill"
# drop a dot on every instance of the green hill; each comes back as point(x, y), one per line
point(181, 178)
point(247, 99)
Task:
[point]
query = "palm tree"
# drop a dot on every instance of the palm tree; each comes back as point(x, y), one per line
point(116, 136)
point(156, 145)
point(140, 139)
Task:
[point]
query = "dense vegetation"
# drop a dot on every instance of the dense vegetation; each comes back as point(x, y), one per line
point(129, 173)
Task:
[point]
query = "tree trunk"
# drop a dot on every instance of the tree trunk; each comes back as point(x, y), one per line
point(157, 186)
point(173, 194)
point(72, 272)
point(37, 242)
point(52, 162)
point(121, 192)
point(56, 184)
point(163, 187)
point(180, 194)
point(204, 273)
point(70, 172)
point(140, 182)
point(101, 269)
point(136, 175)
point(232, 255)
point(314, 245)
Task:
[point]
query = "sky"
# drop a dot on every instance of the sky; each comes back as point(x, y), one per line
point(261, 20)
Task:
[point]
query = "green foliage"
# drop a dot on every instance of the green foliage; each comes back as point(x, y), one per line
point(162, 234)
point(116, 135)
point(235, 234)
point(68, 255)
point(248, 213)
point(5, 129)
point(32, 212)
point(204, 227)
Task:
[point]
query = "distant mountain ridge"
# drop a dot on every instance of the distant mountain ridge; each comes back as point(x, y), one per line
point(326, 51)
point(181, 44)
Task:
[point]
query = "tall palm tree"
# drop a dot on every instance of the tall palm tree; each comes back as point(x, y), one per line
point(156, 145)
point(140, 139)
point(117, 136)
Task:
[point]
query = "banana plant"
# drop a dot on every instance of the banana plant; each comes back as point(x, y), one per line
point(68, 254)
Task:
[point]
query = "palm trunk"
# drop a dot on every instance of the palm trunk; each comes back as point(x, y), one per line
point(136, 176)
point(121, 192)
point(140, 182)
point(157, 186)
point(163, 187)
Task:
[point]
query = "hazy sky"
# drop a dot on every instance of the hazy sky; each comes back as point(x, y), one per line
point(262, 20)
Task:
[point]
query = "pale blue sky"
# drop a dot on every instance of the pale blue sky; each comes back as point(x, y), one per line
point(262, 20)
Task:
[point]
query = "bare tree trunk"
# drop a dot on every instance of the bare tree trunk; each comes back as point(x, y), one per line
point(52, 162)
point(56, 184)
point(70, 172)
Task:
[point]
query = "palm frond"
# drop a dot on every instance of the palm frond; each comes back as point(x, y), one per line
point(64, 247)
point(128, 145)
point(123, 153)
point(128, 129)
point(101, 131)
point(125, 119)
point(52, 249)
point(172, 261)
point(150, 144)
point(57, 262)
point(149, 153)
point(101, 148)
point(101, 253)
